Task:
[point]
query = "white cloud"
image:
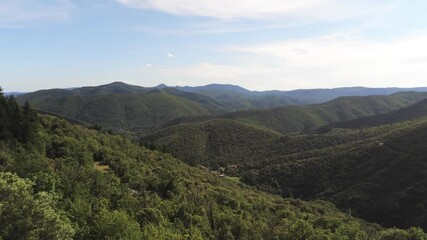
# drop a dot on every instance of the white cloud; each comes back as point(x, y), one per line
point(171, 55)
point(18, 13)
point(257, 9)
point(328, 61)
point(149, 65)
point(346, 60)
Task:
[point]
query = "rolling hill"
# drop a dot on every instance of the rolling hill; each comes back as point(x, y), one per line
point(68, 182)
point(132, 108)
point(238, 98)
point(377, 172)
point(300, 118)
point(309, 117)
point(414, 111)
point(121, 106)
point(213, 143)
point(245, 99)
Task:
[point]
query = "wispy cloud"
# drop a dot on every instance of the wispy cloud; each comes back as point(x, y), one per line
point(257, 9)
point(226, 8)
point(326, 61)
point(170, 55)
point(345, 60)
point(231, 16)
point(22, 13)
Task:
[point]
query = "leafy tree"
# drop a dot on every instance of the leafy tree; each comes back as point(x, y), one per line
point(111, 225)
point(24, 215)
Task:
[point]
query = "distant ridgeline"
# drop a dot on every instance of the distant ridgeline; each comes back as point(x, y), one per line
point(132, 108)
point(64, 181)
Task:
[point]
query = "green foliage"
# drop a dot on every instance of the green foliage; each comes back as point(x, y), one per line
point(300, 118)
point(116, 225)
point(122, 107)
point(416, 110)
point(376, 172)
point(25, 215)
point(146, 195)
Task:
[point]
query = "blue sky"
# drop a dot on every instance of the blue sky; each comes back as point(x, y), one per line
point(258, 44)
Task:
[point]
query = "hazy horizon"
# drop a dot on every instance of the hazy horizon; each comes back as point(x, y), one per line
point(75, 87)
point(261, 45)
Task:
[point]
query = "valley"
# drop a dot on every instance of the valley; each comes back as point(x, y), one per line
point(364, 154)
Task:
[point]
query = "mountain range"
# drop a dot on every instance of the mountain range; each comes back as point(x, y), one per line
point(132, 108)
point(359, 148)
point(64, 181)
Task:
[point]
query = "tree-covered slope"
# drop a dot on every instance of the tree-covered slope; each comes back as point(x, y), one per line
point(67, 182)
point(380, 178)
point(241, 98)
point(122, 106)
point(126, 107)
point(300, 118)
point(377, 172)
point(238, 98)
point(416, 110)
point(213, 143)
point(309, 117)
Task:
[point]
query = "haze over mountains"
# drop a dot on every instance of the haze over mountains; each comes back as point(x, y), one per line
point(127, 107)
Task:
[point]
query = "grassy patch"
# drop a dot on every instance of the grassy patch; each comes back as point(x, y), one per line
point(102, 167)
point(234, 179)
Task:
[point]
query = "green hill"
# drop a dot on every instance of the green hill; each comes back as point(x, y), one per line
point(61, 181)
point(241, 99)
point(122, 106)
point(238, 98)
point(214, 143)
point(377, 172)
point(302, 118)
point(414, 111)
point(132, 108)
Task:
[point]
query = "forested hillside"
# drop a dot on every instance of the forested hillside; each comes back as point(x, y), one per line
point(310, 117)
point(242, 98)
point(121, 106)
point(125, 107)
point(300, 118)
point(238, 98)
point(414, 111)
point(213, 143)
point(60, 181)
point(376, 172)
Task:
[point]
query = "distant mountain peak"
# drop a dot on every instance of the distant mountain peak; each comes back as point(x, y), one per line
point(160, 86)
point(117, 83)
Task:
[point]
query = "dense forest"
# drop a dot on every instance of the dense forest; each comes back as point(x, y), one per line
point(63, 181)
point(377, 172)
point(134, 109)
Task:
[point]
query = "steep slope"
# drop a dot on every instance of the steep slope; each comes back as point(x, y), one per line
point(311, 96)
point(238, 98)
point(380, 176)
point(300, 118)
point(213, 143)
point(83, 184)
point(414, 111)
point(378, 172)
point(122, 106)
point(242, 99)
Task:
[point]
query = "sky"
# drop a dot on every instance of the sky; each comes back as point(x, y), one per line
point(257, 44)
